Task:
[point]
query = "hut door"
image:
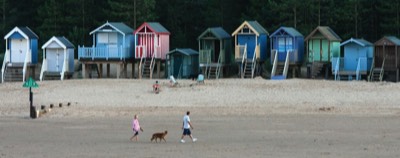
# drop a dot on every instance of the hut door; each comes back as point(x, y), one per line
point(113, 44)
point(18, 50)
point(178, 65)
point(51, 57)
point(250, 40)
point(217, 48)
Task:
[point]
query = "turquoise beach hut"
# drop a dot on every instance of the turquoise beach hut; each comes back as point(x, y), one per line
point(183, 63)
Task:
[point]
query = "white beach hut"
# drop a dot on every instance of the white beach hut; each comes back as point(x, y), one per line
point(58, 58)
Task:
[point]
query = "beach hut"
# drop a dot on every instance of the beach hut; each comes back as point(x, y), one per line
point(58, 58)
point(21, 55)
point(214, 51)
point(386, 59)
point(287, 50)
point(321, 44)
point(250, 47)
point(152, 46)
point(183, 63)
point(112, 44)
point(356, 60)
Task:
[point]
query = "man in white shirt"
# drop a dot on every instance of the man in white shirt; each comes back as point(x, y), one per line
point(186, 126)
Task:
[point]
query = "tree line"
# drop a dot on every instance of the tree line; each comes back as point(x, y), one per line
point(187, 19)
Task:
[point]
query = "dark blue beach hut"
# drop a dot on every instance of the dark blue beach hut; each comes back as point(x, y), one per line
point(356, 60)
point(214, 51)
point(113, 42)
point(183, 63)
point(287, 51)
point(250, 47)
point(21, 55)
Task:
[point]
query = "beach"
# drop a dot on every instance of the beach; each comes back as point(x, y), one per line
point(231, 118)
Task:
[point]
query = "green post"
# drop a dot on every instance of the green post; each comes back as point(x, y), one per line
point(30, 83)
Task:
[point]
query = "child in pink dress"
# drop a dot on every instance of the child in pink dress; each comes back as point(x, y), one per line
point(136, 127)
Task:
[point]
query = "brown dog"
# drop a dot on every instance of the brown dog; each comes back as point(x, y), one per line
point(160, 136)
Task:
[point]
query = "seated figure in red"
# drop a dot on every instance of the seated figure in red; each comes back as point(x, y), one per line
point(156, 87)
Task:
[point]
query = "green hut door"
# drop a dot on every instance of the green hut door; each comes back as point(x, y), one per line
point(217, 48)
point(178, 65)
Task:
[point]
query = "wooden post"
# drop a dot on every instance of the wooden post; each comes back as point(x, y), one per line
point(126, 70)
point(133, 69)
point(83, 70)
point(158, 68)
point(108, 70)
point(118, 70)
point(101, 70)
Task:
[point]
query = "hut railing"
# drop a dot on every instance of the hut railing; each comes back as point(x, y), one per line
point(286, 68)
point(141, 63)
point(152, 63)
point(205, 54)
point(6, 60)
point(239, 51)
point(253, 64)
point(244, 61)
point(104, 52)
point(65, 66)
point(26, 61)
point(44, 69)
point(275, 62)
point(371, 70)
point(382, 69)
point(219, 64)
point(358, 75)
point(336, 67)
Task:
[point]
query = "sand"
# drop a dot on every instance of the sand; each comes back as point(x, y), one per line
point(231, 118)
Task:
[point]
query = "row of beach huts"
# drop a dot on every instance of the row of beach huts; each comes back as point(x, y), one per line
point(147, 49)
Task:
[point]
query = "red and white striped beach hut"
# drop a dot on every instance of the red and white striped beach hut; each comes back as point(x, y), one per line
point(151, 40)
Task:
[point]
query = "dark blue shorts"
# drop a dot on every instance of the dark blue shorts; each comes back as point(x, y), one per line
point(186, 132)
point(136, 132)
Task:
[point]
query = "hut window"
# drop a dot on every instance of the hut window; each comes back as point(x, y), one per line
point(281, 44)
point(289, 43)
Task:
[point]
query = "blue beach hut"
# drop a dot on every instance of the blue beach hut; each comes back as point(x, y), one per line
point(21, 54)
point(287, 51)
point(113, 42)
point(250, 47)
point(356, 60)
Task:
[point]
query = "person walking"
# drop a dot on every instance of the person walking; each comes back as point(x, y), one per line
point(135, 127)
point(186, 126)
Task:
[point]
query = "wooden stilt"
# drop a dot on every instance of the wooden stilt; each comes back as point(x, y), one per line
point(83, 70)
point(133, 69)
point(158, 68)
point(118, 70)
point(101, 70)
point(126, 70)
point(108, 70)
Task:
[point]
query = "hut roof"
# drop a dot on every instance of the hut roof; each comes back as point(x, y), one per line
point(153, 26)
point(218, 32)
point(326, 31)
point(360, 42)
point(254, 26)
point(185, 51)
point(118, 26)
point(61, 40)
point(391, 39)
point(24, 31)
point(290, 30)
